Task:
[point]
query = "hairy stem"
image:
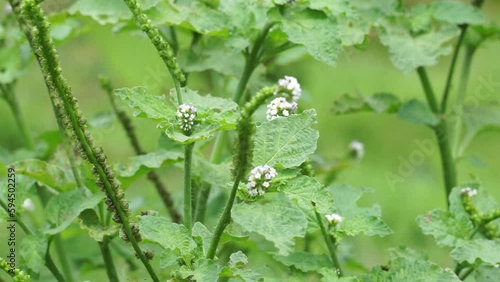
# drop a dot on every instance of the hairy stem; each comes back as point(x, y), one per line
point(441, 132)
point(164, 49)
point(38, 34)
point(127, 125)
point(330, 243)
point(241, 161)
point(188, 209)
point(108, 260)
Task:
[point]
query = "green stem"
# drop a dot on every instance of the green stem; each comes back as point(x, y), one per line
point(451, 71)
point(188, 209)
point(459, 106)
point(441, 132)
point(463, 31)
point(225, 217)
point(251, 62)
point(466, 274)
point(330, 243)
point(429, 93)
point(13, 103)
point(59, 90)
point(241, 161)
point(49, 263)
point(108, 260)
point(63, 259)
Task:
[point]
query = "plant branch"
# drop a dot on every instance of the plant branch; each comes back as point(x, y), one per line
point(52, 266)
point(459, 105)
point(188, 209)
point(73, 120)
point(449, 79)
point(252, 60)
point(241, 161)
point(108, 260)
point(330, 243)
point(441, 132)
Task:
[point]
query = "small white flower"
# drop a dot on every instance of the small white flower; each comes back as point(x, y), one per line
point(470, 192)
point(334, 218)
point(357, 149)
point(280, 107)
point(28, 205)
point(186, 114)
point(259, 179)
point(290, 87)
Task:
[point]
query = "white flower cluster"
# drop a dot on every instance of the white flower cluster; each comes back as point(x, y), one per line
point(280, 107)
point(357, 149)
point(186, 115)
point(470, 192)
point(259, 179)
point(334, 218)
point(290, 86)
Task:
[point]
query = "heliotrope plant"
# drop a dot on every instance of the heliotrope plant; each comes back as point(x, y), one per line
point(264, 205)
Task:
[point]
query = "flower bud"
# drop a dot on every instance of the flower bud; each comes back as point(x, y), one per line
point(186, 116)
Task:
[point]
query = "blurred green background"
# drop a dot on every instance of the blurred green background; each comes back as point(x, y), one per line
point(130, 59)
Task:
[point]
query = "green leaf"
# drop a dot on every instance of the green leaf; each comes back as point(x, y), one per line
point(47, 174)
point(145, 104)
point(286, 141)
point(357, 220)
point(217, 175)
point(90, 222)
point(278, 221)
point(318, 33)
point(418, 112)
point(211, 54)
point(236, 269)
point(485, 250)
point(203, 236)
point(379, 103)
point(479, 119)
point(304, 261)
point(169, 235)
point(456, 12)
point(411, 271)
point(445, 227)
point(408, 51)
point(406, 253)
point(32, 252)
point(63, 208)
point(487, 273)
point(106, 12)
point(204, 270)
point(305, 190)
point(137, 166)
